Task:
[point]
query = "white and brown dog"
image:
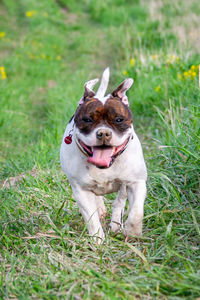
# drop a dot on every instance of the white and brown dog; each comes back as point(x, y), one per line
point(101, 154)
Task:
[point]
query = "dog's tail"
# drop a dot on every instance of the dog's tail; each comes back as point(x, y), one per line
point(104, 84)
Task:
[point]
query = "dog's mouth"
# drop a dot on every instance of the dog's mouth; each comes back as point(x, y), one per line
point(102, 156)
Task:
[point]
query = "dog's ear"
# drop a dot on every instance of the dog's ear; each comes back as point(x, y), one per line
point(88, 90)
point(120, 91)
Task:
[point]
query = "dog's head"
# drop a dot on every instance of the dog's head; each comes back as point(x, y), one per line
point(103, 124)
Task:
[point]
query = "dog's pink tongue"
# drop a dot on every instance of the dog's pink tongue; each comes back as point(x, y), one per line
point(101, 157)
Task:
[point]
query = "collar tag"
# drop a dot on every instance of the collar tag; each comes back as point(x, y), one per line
point(68, 139)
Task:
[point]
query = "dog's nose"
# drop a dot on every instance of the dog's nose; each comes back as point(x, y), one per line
point(104, 135)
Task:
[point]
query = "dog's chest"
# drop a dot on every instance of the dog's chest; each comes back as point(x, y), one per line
point(102, 188)
point(101, 181)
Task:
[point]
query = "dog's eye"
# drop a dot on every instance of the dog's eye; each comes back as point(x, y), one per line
point(119, 120)
point(87, 119)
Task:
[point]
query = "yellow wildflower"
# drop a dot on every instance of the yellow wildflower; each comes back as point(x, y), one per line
point(172, 57)
point(2, 34)
point(3, 73)
point(154, 57)
point(58, 57)
point(31, 13)
point(194, 74)
point(125, 72)
point(194, 68)
point(180, 76)
point(186, 74)
point(157, 89)
point(132, 62)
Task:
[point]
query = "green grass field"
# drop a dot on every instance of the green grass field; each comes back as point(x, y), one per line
point(48, 49)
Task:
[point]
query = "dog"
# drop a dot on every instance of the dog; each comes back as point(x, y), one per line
point(101, 154)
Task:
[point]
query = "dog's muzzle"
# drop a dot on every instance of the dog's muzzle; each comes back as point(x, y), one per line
point(102, 156)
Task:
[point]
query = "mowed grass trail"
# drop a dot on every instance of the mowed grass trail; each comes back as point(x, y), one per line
point(48, 49)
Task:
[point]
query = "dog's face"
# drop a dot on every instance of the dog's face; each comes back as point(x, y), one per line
point(103, 125)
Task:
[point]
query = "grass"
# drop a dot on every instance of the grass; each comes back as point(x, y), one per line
point(48, 49)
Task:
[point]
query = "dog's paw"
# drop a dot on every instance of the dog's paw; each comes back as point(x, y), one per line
point(98, 238)
point(115, 226)
point(133, 229)
point(102, 213)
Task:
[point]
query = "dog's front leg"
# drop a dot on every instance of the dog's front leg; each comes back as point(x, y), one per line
point(87, 204)
point(101, 207)
point(136, 197)
point(118, 210)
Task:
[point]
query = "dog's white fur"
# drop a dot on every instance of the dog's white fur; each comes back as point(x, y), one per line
point(104, 84)
point(127, 176)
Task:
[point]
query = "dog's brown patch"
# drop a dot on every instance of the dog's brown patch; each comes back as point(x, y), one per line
point(93, 113)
